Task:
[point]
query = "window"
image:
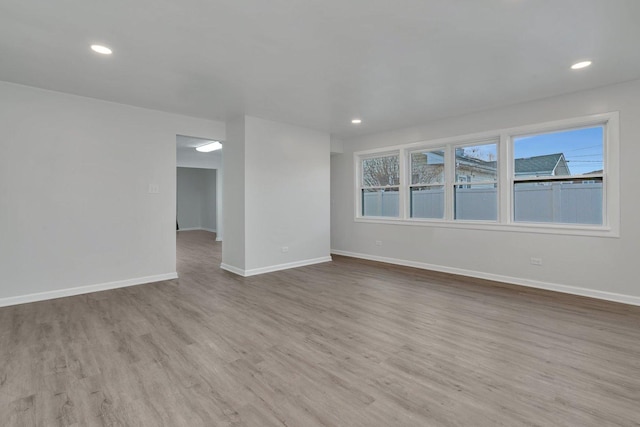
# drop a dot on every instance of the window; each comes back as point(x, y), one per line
point(380, 186)
point(476, 182)
point(557, 177)
point(427, 184)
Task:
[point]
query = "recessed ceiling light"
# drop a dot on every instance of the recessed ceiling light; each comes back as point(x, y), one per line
point(356, 121)
point(578, 65)
point(101, 49)
point(211, 146)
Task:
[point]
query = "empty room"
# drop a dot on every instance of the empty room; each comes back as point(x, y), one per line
point(319, 213)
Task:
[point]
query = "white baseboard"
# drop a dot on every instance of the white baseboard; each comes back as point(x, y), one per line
point(232, 269)
point(271, 268)
point(198, 228)
point(60, 293)
point(574, 290)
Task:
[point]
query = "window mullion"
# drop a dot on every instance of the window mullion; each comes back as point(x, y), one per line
point(505, 180)
point(402, 196)
point(449, 179)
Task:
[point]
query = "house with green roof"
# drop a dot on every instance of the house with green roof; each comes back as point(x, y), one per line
point(472, 169)
point(547, 165)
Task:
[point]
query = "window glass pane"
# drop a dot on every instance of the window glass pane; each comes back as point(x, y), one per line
point(568, 153)
point(427, 167)
point(427, 202)
point(476, 202)
point(381, 171)
point(380, 202)
point(566, 202)
point(477, 163)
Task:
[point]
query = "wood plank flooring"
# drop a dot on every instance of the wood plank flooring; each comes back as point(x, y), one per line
point(346, 343)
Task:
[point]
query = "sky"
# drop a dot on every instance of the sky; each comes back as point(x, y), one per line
point(581, 147)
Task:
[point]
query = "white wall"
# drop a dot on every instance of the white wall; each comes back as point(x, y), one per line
point(337, 145)
point(233, 199)
point(75, 207)
point(209, 207)
point(286, 195)
point(597, 266)
point(219, 189)
point(196, 198)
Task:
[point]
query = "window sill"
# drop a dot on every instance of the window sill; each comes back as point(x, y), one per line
point(562, 229)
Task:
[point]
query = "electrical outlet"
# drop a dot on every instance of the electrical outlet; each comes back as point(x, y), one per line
point(154, 189)
point(285, 249)
point(536, 261)
point(378, 242)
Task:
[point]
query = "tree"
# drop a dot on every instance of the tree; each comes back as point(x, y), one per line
point(381, 171)
point(427, 168)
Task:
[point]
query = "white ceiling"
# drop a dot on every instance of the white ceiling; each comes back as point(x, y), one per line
point(319, 63)
point(186, 147)
point(187, 156)
point(190, 143)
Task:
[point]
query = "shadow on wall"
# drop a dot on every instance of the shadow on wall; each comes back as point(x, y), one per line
point(196, 199)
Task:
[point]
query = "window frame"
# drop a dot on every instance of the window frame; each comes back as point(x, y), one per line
point(408, 177)
point(513, 180)
point(454, 182)
point(505, 179)
point(360, 184)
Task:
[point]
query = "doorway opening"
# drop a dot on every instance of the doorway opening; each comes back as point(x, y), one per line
point(198, 194)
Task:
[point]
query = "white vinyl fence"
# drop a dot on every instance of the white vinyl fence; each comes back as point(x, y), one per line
point(381, 203)
point(568, 203)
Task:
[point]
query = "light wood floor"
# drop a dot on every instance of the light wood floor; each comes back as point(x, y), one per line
point(347, 343)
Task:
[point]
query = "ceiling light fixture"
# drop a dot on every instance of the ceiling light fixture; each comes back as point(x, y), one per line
point(579, 65)
point(101, 49)
point(356, 121)
point(209, 147)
